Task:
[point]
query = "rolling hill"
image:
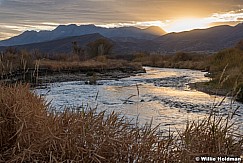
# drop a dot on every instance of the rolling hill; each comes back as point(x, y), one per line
point(211, 39)
point(63, 45)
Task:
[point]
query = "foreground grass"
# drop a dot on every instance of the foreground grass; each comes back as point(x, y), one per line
point(30, 132)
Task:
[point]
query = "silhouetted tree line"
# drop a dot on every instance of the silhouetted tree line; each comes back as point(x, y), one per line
point(96, 48)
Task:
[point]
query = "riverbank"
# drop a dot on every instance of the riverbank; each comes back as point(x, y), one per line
point(225, 68)
point(89, 75)
point(211, 89)
point(207, 88)
point(50, 71)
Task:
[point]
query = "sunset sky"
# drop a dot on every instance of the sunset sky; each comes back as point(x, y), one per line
point(17, 16)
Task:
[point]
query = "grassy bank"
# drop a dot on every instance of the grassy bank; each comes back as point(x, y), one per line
point(24, 66)
point(179, 60)
point(98, 63)
point(226, 71)
point(225, 68)
point(31, 132)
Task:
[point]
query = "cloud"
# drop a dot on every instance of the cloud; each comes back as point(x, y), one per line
point(231, 16)
point(137, 24)
point(32, 14)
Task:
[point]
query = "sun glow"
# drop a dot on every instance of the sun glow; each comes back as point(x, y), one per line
point(187, 24)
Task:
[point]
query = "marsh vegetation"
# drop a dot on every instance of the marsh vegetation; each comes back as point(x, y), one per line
point(30, 131)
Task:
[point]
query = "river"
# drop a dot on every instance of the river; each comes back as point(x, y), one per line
point(161, 94)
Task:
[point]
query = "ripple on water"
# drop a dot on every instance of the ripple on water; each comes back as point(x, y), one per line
point(163, 95)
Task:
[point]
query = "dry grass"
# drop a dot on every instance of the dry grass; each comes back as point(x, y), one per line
point(213, 136)
point(27, 67)
point(30, 132)
point(13, 61)
point(226, 68)
point(98, 63)
point(232, 59)
point(178, 60)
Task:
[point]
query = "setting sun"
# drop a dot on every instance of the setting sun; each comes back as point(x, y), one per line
point(187, 24)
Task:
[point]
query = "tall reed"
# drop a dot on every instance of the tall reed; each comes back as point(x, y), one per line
point(31, 132)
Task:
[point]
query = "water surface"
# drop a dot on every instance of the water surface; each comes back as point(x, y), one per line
point(160, 94)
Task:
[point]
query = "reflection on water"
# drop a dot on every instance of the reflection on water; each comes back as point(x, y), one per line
point(160, 94)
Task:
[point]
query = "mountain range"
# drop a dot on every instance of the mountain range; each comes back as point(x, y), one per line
point(64, 31)
point(128, 40)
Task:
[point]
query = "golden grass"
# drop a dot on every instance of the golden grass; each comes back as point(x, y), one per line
point(23, 66)
point(31, 132)
point(226, 68)
point(99, 63)
point(213, 136)
point(11, 62)
point(231, 60)
point(178, 60)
